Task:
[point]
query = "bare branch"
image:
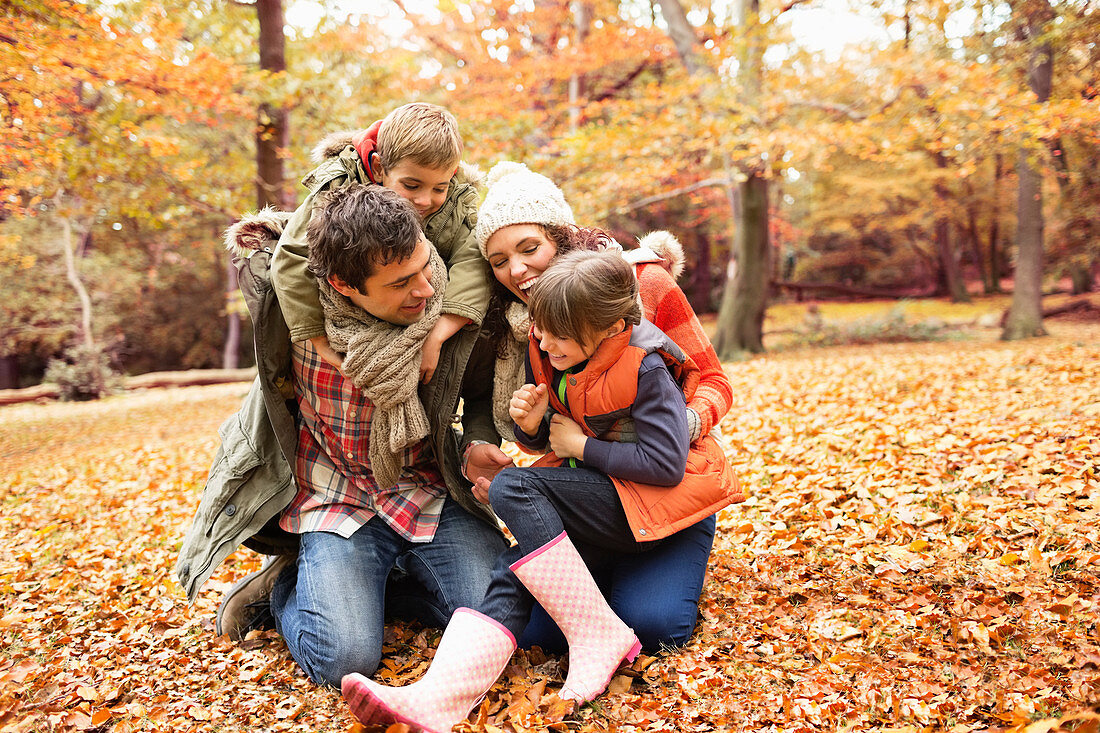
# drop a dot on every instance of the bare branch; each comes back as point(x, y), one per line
point(621, 84)
point(431, 37)
point(675, 193)
point(790, 4)
point(840, 109)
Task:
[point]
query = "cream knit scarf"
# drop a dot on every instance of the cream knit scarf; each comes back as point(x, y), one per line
point(383, 360)
point(510, 372)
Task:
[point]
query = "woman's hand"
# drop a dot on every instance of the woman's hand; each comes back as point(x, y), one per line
point(528, 407)
point(566, 437)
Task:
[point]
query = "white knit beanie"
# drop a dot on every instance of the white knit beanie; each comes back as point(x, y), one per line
point(518, 195)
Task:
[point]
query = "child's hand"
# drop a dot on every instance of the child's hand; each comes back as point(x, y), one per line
point(566, 437)
point(447, 325)
point(326, 352)
point(429, 358)
point(528, 407)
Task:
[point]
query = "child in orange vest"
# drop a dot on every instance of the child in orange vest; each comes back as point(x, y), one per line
point(594, 365)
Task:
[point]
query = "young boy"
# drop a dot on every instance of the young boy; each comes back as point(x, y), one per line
point(416, 151)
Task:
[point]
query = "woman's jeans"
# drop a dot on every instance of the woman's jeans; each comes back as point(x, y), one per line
point(330, 609)
point(656, 593)
point(638, 578)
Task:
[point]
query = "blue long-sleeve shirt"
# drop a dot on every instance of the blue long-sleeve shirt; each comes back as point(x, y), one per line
point(659, 456)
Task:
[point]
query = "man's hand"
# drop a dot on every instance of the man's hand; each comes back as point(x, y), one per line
point(483, 463)
point(528, 407)
point(566, 437)
point(326, 352)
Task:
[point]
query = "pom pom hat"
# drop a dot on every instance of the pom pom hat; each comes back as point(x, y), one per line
point(518, 195)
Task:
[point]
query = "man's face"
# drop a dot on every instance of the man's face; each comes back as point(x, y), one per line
point(397, 292)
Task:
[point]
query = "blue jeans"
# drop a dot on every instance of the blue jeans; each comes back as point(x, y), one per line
point(331, 607)
point(656, 593)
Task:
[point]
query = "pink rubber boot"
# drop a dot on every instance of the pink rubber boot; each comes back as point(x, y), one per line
point(598, 639)
point(471, 656)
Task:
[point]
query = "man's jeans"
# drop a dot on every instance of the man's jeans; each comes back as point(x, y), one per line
point(331, 608)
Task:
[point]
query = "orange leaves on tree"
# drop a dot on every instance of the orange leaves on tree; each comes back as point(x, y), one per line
point(81, 87)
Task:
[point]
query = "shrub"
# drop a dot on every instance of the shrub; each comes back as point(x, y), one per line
point(889, 328)
point(83, 373)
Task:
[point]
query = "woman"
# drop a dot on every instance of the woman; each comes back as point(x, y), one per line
point(523, 224)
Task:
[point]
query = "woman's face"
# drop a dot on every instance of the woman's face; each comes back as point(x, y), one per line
point(518, 254)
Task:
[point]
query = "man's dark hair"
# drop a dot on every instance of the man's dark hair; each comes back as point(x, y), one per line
point(355, 228)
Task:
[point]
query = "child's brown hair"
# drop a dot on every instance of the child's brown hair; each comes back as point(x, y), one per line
point(425, 133)
point(583, 293)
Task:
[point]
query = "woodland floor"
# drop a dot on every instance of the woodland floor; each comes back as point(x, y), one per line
point(921, 551)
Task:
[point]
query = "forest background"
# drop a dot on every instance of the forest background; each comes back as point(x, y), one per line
point(952, 144)
point(920, 547)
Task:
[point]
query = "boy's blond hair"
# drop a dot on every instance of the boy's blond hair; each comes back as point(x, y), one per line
point(425, 133)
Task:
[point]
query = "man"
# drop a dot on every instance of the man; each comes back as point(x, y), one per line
point(382, 519)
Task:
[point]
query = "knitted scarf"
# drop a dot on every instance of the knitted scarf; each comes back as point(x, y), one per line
point(510, 372)
point(383, 360)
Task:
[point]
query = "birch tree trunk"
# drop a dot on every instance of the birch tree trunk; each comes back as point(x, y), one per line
point(69, 250)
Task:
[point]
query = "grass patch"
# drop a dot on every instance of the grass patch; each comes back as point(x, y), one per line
point(891, 326)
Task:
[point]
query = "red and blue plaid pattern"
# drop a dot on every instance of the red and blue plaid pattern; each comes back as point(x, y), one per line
point(336, 489)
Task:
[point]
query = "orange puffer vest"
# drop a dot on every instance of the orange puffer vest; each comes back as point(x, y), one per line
point(599, 399)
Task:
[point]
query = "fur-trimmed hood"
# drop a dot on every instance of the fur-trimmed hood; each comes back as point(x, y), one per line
point(334, 143)
point(662, 247)
point(256, 232)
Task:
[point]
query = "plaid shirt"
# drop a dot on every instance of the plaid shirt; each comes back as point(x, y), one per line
point(336, 489)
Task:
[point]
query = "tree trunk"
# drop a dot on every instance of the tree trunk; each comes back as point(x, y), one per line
point(996, 268)
point(741, 316)
point(1025, 315)
point(952, 272)
point(582, 22)
point(232, 350)
point(700, 276)
point(73, 276)
point(1080, 276)
point(975, 243)
point(9, 371)
point(272, 126)
point(681, 33)
point(949, 262)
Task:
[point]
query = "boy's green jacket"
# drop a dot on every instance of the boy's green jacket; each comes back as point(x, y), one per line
point(450, 229)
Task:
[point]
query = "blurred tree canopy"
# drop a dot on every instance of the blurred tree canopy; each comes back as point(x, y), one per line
point(128, 134)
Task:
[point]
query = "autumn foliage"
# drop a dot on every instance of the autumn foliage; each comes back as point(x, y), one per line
point(921, 551)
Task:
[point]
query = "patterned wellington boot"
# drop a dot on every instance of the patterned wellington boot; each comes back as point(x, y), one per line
point(598, 639)
point(471, 656)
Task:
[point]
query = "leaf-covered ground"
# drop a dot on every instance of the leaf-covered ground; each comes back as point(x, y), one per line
point(921, 551)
